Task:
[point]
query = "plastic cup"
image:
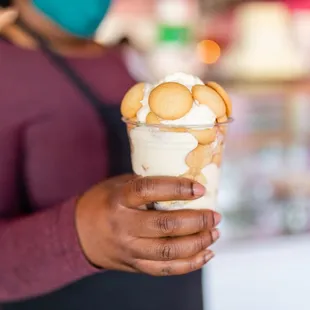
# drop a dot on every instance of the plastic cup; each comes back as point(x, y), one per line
point(194, 152)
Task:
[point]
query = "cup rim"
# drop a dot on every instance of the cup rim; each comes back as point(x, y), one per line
point(200, 126)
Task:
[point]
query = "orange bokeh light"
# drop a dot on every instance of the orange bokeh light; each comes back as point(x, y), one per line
point(208, 51)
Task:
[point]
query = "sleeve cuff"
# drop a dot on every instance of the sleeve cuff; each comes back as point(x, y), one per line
point(68, 238)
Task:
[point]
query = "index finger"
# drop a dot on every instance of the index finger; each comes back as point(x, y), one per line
point(145, 190)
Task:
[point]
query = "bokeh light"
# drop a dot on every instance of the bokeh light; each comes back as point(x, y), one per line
point(208, 51)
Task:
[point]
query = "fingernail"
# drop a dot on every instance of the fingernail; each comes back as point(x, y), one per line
point(198, 190)
point(209, 255)
point(217, 218)
point(215, 234)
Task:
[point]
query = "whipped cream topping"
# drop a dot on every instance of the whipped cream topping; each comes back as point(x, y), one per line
point(200, 114)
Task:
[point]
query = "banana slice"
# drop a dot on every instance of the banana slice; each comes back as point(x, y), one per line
point(206, 136)
point(200, 157)
point(217, 159)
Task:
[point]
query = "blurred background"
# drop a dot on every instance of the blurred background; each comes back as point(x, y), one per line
point(261, 52)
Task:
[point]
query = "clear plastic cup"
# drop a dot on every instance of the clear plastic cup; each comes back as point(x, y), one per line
point(194, 152)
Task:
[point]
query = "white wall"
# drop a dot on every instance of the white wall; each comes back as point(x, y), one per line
point(273, 275)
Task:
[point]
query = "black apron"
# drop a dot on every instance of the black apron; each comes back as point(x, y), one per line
point(114, 290)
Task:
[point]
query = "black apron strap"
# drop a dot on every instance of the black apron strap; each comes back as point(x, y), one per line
point(118, 144)
point(64, 67)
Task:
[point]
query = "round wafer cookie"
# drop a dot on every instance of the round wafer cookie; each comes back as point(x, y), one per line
point(170, 101)
point(131, 103)
point(208, 96)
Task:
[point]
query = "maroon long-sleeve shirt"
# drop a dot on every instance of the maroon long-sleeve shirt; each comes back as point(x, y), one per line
point(52, 145)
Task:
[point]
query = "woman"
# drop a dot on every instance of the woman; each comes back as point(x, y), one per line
point(60, 133)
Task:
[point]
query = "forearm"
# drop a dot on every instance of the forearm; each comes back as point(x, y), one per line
point(40, 253)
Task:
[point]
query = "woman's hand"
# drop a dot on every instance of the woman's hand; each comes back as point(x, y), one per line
point(116, 234)
point(7, 16)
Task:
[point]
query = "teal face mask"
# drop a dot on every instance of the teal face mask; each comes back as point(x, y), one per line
point(78, 17)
